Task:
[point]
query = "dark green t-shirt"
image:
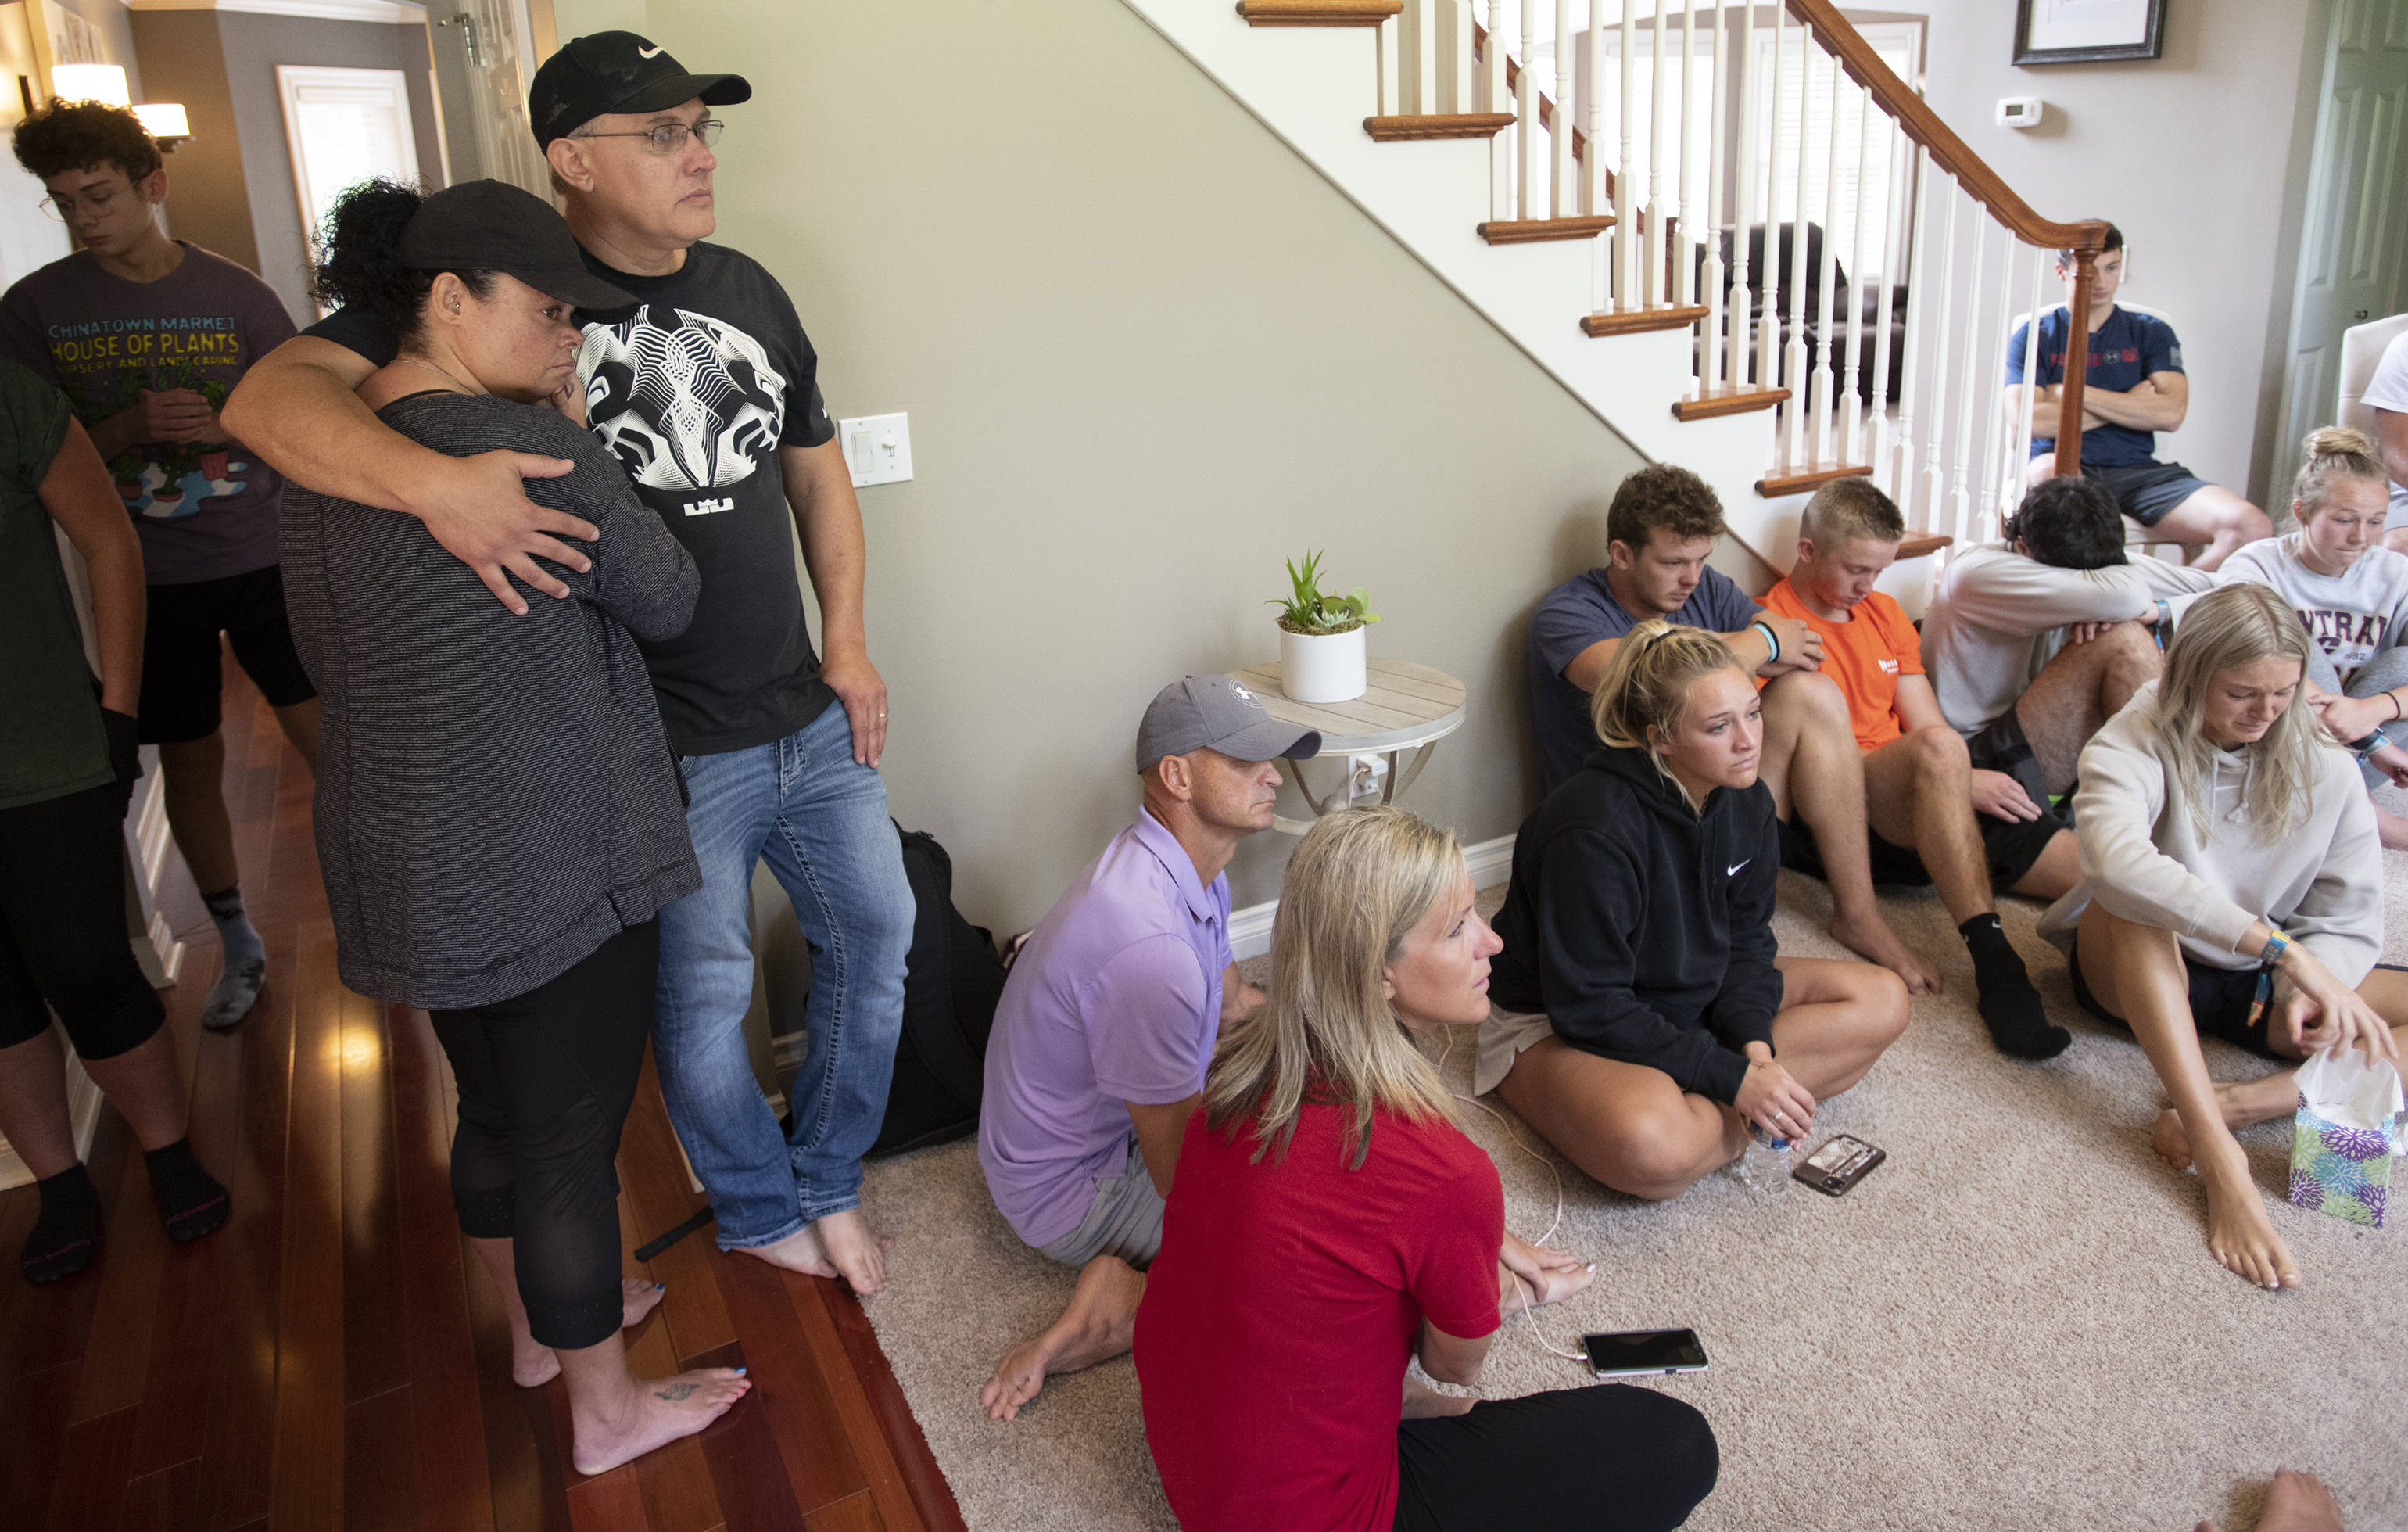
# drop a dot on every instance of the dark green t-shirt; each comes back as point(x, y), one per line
point(53, 744)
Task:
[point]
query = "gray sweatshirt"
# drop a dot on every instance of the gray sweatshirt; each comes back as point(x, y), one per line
point(2353, 616)
point(1999, 614)
point(2322, 884)
point(495, 796)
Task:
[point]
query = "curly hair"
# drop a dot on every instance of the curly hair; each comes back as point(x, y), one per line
point(67, 136)
point(359, 264)
point(2069, 522)
point(1666, 495)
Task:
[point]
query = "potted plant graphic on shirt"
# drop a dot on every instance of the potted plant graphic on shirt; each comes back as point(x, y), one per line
point(1321, 637)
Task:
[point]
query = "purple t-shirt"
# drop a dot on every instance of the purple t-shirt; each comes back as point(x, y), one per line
point(1116, 999)
point(1581, 612)
point(205, 510)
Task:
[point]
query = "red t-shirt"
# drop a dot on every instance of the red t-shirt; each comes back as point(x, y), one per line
point(1865, 656)
point(1278, 1319)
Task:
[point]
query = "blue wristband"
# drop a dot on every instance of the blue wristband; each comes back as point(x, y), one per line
point(1770, 641)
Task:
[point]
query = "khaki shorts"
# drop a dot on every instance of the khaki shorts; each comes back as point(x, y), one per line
point(1124, 1220)
point(1505, 1037)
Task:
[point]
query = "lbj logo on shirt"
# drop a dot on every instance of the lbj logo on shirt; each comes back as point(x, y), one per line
point(704, 507)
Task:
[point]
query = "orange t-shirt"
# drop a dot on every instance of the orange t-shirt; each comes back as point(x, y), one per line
point(1865, 656)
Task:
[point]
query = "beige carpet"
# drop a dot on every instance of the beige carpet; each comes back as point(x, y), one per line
point(2014, 1323)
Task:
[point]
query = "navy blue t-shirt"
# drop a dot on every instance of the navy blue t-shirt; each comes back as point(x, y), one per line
point(2123, 351)
point(1581, 611)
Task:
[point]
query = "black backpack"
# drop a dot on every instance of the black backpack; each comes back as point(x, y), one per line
point(950, 984)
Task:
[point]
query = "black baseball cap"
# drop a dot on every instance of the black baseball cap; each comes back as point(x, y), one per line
point(617, 72)
point(491, 226)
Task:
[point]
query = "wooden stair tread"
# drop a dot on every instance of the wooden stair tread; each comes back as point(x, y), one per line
point(1808, 477)
point(1726, 400)
point(1449, 125)
point(1927, 543)
point(1318, 13)
point(1633, 321)
point(1523, 231)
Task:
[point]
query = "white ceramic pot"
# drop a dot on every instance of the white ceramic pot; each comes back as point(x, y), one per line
point(1322, 667)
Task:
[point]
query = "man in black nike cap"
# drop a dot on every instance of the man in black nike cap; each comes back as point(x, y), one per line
point(706, 391)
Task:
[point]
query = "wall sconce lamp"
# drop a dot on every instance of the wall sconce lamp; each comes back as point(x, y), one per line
point(105, 82)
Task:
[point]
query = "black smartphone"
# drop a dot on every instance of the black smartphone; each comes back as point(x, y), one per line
point(1638, 1354)
point(1838, 1164)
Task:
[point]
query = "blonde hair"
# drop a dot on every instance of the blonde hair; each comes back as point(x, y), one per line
point(1648, 682)
point(2332, 453)
point(2234, 626)
point(1358, 883)
point(1847, 509)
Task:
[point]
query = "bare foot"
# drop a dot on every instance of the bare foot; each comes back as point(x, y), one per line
point(2299, 1502)
point(854, 1253)
point(2244, 1106)
point(1532, 1276)
point(533, 1364)
point(659, 1412)
point(2239, 1233)
point(1098, 1325)
point(1870, 937)
point(1425, 1403)
point(798, 1252)
point(2171, 1141)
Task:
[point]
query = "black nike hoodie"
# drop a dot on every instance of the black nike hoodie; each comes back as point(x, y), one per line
point(1641, 928)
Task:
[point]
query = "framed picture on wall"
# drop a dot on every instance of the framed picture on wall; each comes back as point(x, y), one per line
point(2088, 31)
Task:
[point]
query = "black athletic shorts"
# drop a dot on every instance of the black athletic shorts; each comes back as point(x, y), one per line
point(2222, 1000)
point(2146, 491)
point(2001, 746)
point(180, 670)
point(2009, 847)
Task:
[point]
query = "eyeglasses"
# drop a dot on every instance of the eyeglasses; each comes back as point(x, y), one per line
point(670, 138)
point(62, 208)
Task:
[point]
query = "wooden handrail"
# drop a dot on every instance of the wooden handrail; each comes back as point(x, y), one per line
point(1922, 124)
point(1919, 123)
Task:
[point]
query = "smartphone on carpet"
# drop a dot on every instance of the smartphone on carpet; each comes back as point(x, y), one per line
point(1640, 1354)
point(1838, 1164)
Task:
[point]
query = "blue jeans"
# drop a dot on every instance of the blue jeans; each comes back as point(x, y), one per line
point(818, 818)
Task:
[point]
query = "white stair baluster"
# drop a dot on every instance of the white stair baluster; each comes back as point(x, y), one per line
point(1684, 266)
point(1793, 412)
point(1494, 96)
point(1595, 199)
point(1936, 342)
point(1826, 303)
point(1998, 432)
point(1969, 384)
point(1710, 345)
point(1530, 180)
point(1656, 246)
point(1738, 304)
point(1455, 56)
point(1627, 231)
point(1852, 443)
point(2020, 464)
point(1389, 35)
point(1768, 334)
point(1894, 446)
point(1565, 202)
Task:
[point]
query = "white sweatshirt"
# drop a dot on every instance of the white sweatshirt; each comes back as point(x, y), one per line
point(2353, 616)
point(2322, 884)
point(1997, 617)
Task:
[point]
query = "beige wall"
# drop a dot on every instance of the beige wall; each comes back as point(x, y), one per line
point(2192, 154)
point(1147, 353)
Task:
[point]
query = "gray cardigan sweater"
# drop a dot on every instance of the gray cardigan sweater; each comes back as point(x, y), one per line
point(495, 796)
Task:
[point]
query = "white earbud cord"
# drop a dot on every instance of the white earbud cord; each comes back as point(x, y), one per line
point(1529, 1299)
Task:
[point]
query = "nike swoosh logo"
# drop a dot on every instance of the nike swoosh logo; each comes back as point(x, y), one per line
point(648, 52)
point(1734, 867)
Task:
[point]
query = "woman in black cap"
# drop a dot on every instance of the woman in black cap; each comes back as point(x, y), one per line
point(499, 816)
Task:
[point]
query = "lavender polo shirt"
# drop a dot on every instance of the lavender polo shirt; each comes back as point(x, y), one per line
point(1116, 999)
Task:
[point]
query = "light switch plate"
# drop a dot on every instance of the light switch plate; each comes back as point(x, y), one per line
point(877, 448)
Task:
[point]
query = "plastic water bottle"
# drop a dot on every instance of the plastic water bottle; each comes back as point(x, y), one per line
point(1764, 1165)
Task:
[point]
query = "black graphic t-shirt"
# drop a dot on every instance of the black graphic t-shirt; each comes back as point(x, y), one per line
point(694, 391)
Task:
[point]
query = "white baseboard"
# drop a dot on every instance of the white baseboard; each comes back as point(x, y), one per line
point(1250, 929)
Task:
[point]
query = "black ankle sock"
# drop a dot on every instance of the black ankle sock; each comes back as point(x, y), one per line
point(2009, 1004)
point(67, 1230)
point(191, 1202)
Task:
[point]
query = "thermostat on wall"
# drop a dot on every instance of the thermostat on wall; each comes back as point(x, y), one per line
point(2020, 112)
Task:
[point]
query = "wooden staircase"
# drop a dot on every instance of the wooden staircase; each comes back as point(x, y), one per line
point(1607, 249)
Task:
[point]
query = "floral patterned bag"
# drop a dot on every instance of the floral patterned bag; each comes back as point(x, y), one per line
point(2350, 1127)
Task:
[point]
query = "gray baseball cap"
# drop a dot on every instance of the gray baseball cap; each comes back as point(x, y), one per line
point(1214, 712)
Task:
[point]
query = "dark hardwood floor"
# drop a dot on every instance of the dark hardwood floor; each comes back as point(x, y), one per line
point(333, 1358)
